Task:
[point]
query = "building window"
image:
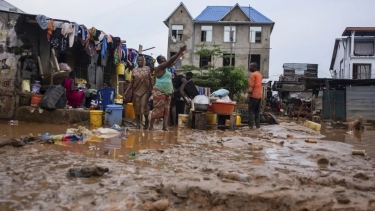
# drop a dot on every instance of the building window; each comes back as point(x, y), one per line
point(362, 48)
point(206, 34)
point(229, 34)
point(255, 58)
point(177, 32)
point(255, 34)
point(361, 71)
point(204, 61)
point(228, 58)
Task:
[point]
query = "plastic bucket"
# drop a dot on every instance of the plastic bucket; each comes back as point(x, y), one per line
point(114, 113)
point(130, 111)
point(26, 85)
point(183, 120)
point(238, 120)
point(96, 118)
point(120, 69)
point(35, 100)
point(210, 118)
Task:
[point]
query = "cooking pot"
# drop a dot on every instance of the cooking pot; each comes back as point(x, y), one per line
point(201, 99)
point(200, 107)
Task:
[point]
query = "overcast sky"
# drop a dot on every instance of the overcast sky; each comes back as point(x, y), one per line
point(304, 30)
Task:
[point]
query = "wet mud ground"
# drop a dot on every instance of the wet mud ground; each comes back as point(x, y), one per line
point(178, 170)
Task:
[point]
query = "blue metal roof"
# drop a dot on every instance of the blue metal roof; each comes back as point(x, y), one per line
point(216, 13)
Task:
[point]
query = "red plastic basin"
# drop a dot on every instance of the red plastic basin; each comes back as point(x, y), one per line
point(223, 108)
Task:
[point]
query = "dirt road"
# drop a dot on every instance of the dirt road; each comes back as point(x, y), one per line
point(185, 170)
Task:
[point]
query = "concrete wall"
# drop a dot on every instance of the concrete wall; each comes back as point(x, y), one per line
point(236, 14)
point(9, 82)
point(343, 53)
point(181, 17)
point(339, 54)
point(241, 47)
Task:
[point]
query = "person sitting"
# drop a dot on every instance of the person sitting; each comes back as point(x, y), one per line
point(74, 96)
point(106, 84)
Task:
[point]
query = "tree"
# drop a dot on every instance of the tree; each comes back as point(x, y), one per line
point(231, 78)
point(205, 51)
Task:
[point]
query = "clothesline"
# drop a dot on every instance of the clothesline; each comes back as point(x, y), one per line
point(62, 35)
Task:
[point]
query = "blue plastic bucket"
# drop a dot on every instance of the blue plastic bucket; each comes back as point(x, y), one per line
point(114, 113)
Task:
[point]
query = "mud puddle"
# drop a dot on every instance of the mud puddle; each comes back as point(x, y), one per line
point(181, 171)
point(360, 140)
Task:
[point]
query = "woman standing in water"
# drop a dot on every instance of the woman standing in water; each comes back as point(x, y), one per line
point(142, 88)
point(163, 89)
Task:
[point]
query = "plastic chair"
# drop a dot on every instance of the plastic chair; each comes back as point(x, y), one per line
point(105, 97)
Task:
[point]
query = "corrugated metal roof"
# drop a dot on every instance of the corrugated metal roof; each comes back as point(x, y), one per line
point(6, 6)
point(216, 13)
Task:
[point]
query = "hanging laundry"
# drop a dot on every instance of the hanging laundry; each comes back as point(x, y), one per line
point(76, 28)
point(50, 30)
point(43, 21)
point(57, 24)
point(104, 47)
point(92, 32)
point(116, 57)
point(67, 30)
point(124, 53)
point(58, 41)
point(109, 38)
point(98, 38)
point(149, 62)
point(90, 50)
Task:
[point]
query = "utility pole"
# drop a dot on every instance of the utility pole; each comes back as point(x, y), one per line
point(230, 37)
point(250, 37)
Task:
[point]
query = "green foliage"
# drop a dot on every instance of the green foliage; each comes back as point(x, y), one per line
point(187, 68)
point(231, 78)
point(214, 51)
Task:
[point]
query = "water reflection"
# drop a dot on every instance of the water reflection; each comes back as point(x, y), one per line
point(121, 145)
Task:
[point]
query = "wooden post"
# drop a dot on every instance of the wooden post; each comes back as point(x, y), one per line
point(191, 120)
point(200, 121)
point(55, 60)
point(52, 72)
point(232, 125)
point(140, 48)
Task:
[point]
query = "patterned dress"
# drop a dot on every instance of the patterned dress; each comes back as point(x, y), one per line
point(141, 80)
point(161, 95)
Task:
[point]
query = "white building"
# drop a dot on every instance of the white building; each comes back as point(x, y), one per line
point(353, 54)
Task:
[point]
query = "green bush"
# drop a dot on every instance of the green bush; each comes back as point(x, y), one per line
point(230, 78)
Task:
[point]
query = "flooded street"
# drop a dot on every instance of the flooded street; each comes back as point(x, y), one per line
point(268, 169)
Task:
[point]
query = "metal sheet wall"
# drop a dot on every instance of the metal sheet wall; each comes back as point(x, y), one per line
point(334, 105)
point(360, 101)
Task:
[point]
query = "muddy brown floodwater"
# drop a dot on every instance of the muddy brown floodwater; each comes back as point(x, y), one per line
point(186, 170)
